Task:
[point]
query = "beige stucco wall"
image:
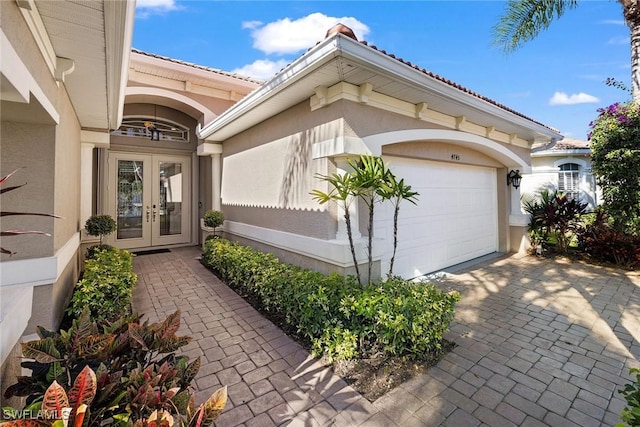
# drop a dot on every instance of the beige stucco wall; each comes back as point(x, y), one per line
point(216, 105)
point(48, 158)
point(297, 130)
point(9, 372)
point(66, 191)
point(18, 34)
point(29, 148)
point(287, 140)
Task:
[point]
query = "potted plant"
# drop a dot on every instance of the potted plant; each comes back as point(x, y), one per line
point(213, 219)
point(99, 226)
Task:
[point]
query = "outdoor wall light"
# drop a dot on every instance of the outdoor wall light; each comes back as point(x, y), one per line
point(514, 178)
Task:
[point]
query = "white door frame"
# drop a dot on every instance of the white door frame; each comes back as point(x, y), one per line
point(150, 210)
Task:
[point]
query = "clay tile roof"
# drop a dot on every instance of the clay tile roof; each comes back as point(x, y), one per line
point(562, 145)
point(343, 29)
point(199, 67)
point(571, 144)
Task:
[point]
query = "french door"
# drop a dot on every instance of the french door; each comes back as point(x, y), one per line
point(149, 197)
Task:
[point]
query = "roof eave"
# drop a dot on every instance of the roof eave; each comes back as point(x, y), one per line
point(119, 19)
point(419, 78)
point(353, 51)
point(294, 72)
point(556, 153)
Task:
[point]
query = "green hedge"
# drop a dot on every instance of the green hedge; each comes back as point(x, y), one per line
point(106, 286)
point(340, 318)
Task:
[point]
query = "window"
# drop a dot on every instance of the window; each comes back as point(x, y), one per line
point(137, 127)
point(569, 180)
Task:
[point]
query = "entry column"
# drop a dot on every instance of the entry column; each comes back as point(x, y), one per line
point(215, 151)
point(89, 141)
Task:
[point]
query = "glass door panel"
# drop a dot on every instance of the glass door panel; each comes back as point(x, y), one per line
point(170, 198)
point(130, 194)
point(130, 199)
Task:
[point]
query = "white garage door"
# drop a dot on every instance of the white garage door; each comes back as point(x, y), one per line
point(455, 218)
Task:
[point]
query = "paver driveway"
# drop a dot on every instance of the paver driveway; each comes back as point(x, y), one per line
point(540, 342)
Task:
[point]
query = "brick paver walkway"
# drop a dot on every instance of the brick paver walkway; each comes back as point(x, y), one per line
point(539, 343)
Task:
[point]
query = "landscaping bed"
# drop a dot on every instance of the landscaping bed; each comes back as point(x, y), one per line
point(374, 336)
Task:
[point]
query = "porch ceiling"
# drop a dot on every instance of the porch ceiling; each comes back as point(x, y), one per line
point(96, 36)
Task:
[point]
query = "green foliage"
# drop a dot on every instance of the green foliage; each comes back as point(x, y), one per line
point(136, 370)
point(396, 191)
point(213, 219)
point(100, 225)
point(342, 192)
point(600, 239)
point(631, 414)
point(553, 216)
point(372, 182)
point(523, 20)
point(106, 287)
point(336, 315)
point(615, 155)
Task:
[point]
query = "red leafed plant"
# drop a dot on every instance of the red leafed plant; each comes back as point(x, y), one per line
point(11, 213)
point(139, 380)
point(61, 408)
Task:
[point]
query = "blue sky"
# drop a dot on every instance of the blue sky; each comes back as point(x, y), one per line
point(557, 79)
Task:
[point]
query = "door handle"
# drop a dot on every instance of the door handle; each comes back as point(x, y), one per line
point(148, 213)
point(154, 213)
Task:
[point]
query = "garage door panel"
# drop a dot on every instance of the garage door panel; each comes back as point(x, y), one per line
point(455, 218)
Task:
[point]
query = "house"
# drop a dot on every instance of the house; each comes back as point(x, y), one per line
point(344, 98)
point(96, 127)
point(563, 166)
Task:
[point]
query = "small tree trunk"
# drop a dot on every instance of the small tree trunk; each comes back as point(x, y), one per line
point(347, 220)
point(370, 243)
point(635, 62)
point(395, 238)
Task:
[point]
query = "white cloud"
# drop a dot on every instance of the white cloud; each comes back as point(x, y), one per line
point(287, 36)
point(614, 21)
point(619, 40)
point(561, 98)
point(148, 7)
point(251, 24)
point(262, 69)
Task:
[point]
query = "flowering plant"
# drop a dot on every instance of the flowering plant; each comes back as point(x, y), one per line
point(615, 156)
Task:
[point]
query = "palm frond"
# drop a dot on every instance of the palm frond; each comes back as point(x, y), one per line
point(523, 20)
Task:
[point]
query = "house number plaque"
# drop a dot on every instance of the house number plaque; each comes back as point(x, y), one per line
point(455, 157)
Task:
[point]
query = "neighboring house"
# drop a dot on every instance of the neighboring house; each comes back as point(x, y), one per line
point(563, 166)
point(155, 142)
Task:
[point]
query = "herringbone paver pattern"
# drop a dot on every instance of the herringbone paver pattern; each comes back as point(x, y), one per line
point(539, 343)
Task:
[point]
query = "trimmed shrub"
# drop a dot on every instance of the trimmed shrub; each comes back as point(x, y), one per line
point(106, 287)
point(100, 226)
point(213, 219)
point(631, 392)
point(335, 315)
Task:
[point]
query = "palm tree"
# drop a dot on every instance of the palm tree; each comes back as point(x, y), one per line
point(396, 191)
point(342, 192)
point(523, 20)
point(369, 174)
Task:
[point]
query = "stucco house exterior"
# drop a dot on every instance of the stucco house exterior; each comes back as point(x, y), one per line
point(96, 127)
point(563, 166)
point(63, 75)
